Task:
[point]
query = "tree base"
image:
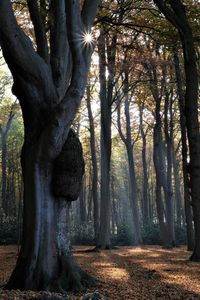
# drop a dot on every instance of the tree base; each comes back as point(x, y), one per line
point(194, 257)
point(105, 247)
point(90, 250)
point(70, 277)
point(167, 247)
point(75, 281)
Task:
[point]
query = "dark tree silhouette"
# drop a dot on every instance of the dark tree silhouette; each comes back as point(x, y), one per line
point(49, 83)
point(175, 12)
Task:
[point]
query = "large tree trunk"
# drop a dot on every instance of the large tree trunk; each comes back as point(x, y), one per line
point(45, 261)
point(49, 81)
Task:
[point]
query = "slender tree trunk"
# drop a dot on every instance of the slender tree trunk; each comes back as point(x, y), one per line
point(89, 197)
point(151, 192)
point(129, 144)
point(106, 91)
point(161, 214)
point(115, 214)
point(124, 200)
point(192, 123)
point(94, 167)
point(105, 209)
point(187, 198)
point(82, 203)
point(13, 184)
point(169, 191)
point(178, 196)
point(4, 173)
point(10, 186)
point(4, 136)
point(176, 14)
point(133, 196)
point(160, 179)
point(145, 172)
point(163, 178)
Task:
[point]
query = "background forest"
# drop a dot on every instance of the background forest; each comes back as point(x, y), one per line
point(136, 187)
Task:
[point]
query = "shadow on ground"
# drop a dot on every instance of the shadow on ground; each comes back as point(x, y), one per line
point(127, 273)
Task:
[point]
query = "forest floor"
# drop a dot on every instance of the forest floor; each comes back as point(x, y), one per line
point(126, 273)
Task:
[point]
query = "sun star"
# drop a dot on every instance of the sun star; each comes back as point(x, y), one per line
point(87, 38)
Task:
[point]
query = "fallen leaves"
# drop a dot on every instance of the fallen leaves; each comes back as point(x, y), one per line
point(123, 274)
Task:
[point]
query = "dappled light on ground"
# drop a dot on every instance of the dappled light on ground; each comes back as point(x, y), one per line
point(148, 272)
point(108, 269)
point(126, 273)
point(115, 274)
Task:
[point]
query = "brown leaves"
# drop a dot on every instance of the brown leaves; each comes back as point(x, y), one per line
point(123, 274)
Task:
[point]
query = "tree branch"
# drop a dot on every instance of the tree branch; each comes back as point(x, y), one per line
point(65, 111)
point(16, 46)
point(89, 12)
point(40, 34)
point(81, 54)
point(122, 136)
point(60, 56)
point(170, 14)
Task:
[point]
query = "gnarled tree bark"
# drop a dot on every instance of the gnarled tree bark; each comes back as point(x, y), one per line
point(49, 88)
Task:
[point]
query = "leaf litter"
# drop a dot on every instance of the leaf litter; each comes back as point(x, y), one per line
point(125, 273)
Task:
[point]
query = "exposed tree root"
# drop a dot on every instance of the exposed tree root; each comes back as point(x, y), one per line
point(72, 277)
